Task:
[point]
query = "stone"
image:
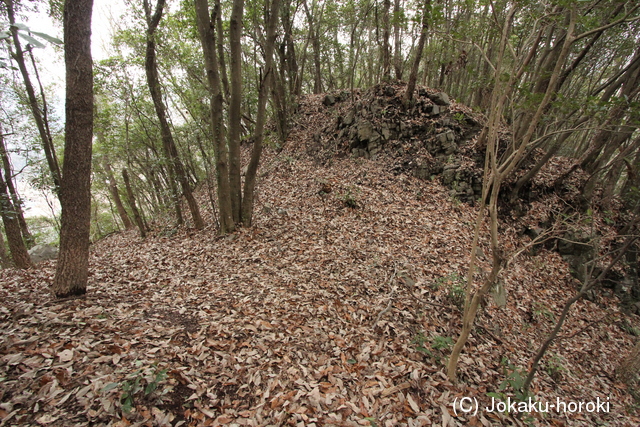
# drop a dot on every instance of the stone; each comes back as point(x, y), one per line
point(329, 100)
point(440, 98)
point(389, 91)
point(422, 92)
point(365, 131)
point(386, 133)
point(348, 119)
point(41, 253)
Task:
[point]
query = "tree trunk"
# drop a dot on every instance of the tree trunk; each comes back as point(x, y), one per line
point(45, 135)
point(15, 199)
point(115, 195)
point(206, 30)
point(397, 50)
point(235, 112)
point(252, 169)
point(176, 168)
point(315, 43)
point(75, 190)
point(131, 200)
point(413, 77)
point(386, 47)
point(17, 247)
point(4, 259)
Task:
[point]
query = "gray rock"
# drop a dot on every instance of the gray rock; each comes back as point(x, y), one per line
point(389, 91)
point(440, 98)
point(41, 253)
point(348, 119)
point(365, 131)
point(329, 100)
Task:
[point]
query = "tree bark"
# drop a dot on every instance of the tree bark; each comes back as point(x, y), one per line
point(206, 30)
point(4, 259)
point(386, 35)
point(15, 199)
point(176, 168)
point(315, 43)
point(75, 188)
point(252, 169)
point(235, 112)
point(115, 195)
point(9, 216)
point(131, 200)
point(397, 39)
point(413, 77)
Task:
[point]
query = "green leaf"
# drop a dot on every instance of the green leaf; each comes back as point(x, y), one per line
point(109, 387)
point(495, 395)
point(47, 37)
point(31, 40)
point(21, 26)
point(150, 388)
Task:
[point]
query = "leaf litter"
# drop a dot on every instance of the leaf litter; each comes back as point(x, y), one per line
point(333, 310)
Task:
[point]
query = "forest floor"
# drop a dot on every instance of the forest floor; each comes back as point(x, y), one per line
point(338, 308)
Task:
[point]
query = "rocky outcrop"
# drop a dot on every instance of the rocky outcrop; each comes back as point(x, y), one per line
point(430, 138)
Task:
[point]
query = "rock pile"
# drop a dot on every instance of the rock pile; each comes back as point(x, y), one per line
point(431, 138)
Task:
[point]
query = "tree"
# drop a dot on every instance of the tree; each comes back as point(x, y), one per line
point(39, 114)
point(176, 167)
point(72, 268)
point(413, 77)
point(9, 216)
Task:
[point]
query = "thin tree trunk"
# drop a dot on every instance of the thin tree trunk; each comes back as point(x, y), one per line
point(386, 47)
point(252, 169)
point(206, 29)
point(4, 259)
point(131, 200)
point(115, 195)
point(413, 77)
point(72, 268)
point(168, 143)
point(235, 112)
point(315, 43)
point(397, 40)
point(15, 198)
point(17, 247)
point(45, 136)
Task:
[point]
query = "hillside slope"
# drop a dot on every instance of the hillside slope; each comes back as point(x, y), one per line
point(337, 308)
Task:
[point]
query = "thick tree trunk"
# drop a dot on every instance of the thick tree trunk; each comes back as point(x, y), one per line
point(176, 168)
point(131, 200)
point(75, 190)
point(45, 135)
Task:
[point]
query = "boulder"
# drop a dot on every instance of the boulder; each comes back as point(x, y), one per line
point(41, 253)
point(329, 100)
point(440, 98)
